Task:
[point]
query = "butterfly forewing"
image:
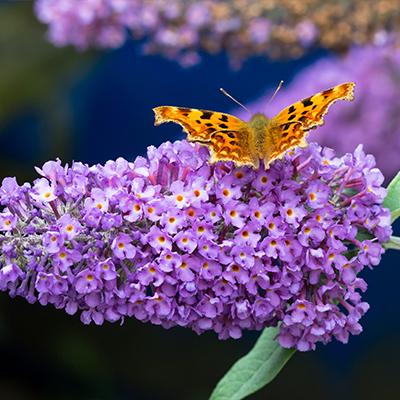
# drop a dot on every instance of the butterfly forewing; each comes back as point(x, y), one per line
point(289, 128)
point(198, 124)
point(310, 110)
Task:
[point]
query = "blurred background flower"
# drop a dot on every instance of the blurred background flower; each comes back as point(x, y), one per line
point(179, 29)
point(92, 106)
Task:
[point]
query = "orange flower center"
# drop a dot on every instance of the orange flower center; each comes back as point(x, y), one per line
point(239, 175)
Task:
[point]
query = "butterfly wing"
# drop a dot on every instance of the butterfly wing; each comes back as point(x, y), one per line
point(224, 134)
point(289, 128)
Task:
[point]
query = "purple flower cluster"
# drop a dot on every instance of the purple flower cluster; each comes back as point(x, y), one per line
point(373, 119)
point(174, 241)
point(178, 29)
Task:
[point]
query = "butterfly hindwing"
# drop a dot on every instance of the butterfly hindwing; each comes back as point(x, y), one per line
point(232, 146)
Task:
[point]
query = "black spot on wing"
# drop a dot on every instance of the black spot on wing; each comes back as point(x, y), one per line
point(233, 143)
point(183, 109)
point(292, 117)
point(231, 135)
point(314, 107)
point(185, 114)
point(223, 126)
point(304, 112)
point(206, 115)
point(285, 127)
point(307, 102)
point(292, 109)
point(209, 130)
point(327, 91)
point(199, 122)
point(208, 124)
point(224, 118)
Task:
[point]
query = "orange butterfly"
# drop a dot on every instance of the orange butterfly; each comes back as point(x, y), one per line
point(246, 143)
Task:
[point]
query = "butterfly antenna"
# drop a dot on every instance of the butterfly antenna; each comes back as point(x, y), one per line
point(276, 91)
point(240, 104)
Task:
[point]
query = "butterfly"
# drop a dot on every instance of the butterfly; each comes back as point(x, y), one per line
point(246, 143)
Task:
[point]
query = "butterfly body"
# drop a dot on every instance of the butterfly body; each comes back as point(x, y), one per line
point(246, 143)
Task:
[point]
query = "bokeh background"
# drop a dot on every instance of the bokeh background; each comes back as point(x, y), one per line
point(96, 105)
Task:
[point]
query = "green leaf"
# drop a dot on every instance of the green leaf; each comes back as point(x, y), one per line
point(395, 214)
point(350, 192)
point(393, 243)
point(254, 370)
point(363, 234)
point(392, 200)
